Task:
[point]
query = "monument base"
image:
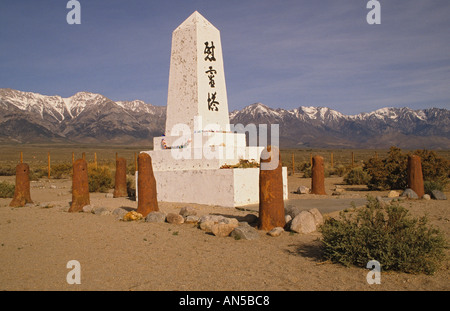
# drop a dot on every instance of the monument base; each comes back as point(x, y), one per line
point(222, 187)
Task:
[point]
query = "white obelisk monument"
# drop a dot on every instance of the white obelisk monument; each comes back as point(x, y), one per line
point(189, 160)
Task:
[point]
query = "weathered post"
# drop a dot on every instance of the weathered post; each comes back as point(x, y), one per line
point(147, 199)
point(415, 176)
point(317, 176)
point(120, 187)
point(271, 204)
point(80, 186)
point(48, 164)
point(22, 194)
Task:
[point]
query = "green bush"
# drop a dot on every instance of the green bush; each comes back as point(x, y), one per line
point(340, 170)
point(61, 170)
point(100, 179)
point(6, 190)
point(435, 170)
point(7, 171)
point(389, 173)
point(37, 173)
point(385, 233)
point(430, 185)
point(357, 176)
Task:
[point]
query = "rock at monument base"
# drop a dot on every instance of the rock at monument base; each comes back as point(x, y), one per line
point(245, 233)
point(292, 210)
point(250, 218)
point(304, 222)
point(191, 219)
point(410, 194)
point(119, 212)
point(426, 197)
point(318, 218)
point(22, 188)
point(438, 195)
point(223, 229)
point(130, 216)
point(101, 211)
point(393, 194)
point(173, 218)
point(277, 231)
point(156, 217)
point(302, 190)
point(187, 211)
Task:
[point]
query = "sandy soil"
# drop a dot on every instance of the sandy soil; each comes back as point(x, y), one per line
point(36, 243)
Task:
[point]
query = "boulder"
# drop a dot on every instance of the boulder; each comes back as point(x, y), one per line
point(245, 233)
point(223, 229)
point(191, 219)
point(438, 195)
point(277, 231)
point(207, 221)
point(250, 218)
point(88, 209)
point(173, 218)
point(187, 211)
point(155, 217)
point(101, 211)
point(304, 223)
point(410, 194)
point(119, 212)
point(292, 210)
point(393, 194)
point(130, 216)
point(426, 197)
point(302, 190)
point(318, 218)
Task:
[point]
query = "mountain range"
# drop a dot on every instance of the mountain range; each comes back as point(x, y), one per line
point(27, 117)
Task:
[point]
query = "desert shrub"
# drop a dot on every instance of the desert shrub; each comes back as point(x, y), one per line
point(357, 176)
point(6, 189)
point(61, 170)
point(389, 173)
point(131, 170)
point(386, 233)
point(340, 170)
point(307, 172)
point(7, 171)
point(435, 170)
point(37, 173)
point(430, 185)
point(131, 187)
point(100, 179)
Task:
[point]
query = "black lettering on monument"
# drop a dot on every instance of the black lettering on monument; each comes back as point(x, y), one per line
point(209, 51)
point(212, 103)
point(211, 74)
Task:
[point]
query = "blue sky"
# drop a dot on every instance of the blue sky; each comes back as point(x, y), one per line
point(281, 53)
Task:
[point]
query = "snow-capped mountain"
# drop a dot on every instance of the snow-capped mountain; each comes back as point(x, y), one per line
point(324, 127)
point(93, 118)
point(84, 117)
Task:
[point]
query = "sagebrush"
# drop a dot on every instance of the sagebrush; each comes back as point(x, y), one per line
point(386, 233)
point(391, 172)
point(6, 190)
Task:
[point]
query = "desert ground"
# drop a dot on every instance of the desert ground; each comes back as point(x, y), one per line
point(37, 241)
